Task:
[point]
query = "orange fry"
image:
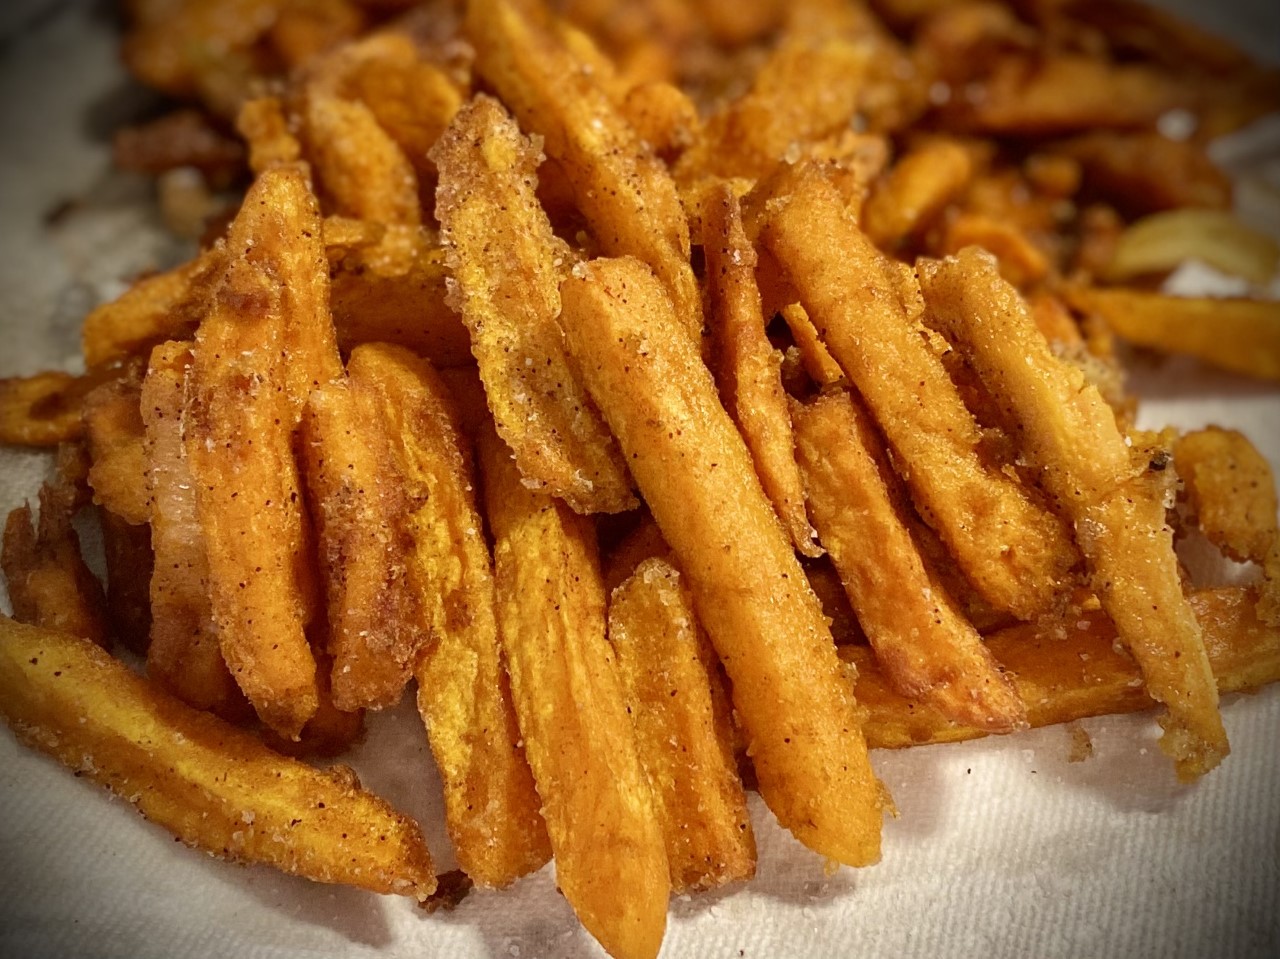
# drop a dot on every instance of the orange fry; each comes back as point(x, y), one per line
point(751, 594)
point(114, 434)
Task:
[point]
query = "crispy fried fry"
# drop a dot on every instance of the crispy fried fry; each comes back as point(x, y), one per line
point(264, 126)
point(1069, 433)
point(129, 562)
point(42, 409)
point(1231, 491)
point(766, 624)
point(1238, 335)
point(926, 647)
point(1015, 552)
point(114, 433)
point(1072, 668)
point(507, 266)
point(683, 730)
point(624, 192)
point(49, 583)
point(610, 857)
point(748, 367)
point(915, 190)
point(818, 362)
point(375, 628)
point(183, 656)
point(491, 806)
point(251, 369)
point(214, 787)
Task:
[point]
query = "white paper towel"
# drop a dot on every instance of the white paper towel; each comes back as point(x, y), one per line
point(1003, 847)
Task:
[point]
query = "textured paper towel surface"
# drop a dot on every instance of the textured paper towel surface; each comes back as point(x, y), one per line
point(1003, 848)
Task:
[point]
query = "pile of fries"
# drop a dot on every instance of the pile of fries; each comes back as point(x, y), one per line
point(683, 398)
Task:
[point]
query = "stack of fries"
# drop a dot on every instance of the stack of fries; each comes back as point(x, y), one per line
point(683, 398)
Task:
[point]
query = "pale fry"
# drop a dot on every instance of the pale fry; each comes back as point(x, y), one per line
point(748, 367)
point(1161, 242)
point(1238, 335)
point(374, 626)
point(113, 431)
point(926, 647)
point(751, 594)
point(610, 856)
point(626, 194)
point(1071, 668)
point(1069, 433)
point(239, 416)
point(1016, 553)
point(184, 656)
point(491, 805)
point(683, 731)
point(216, 788)
point(507, 266)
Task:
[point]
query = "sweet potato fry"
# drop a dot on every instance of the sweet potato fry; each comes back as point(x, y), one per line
point(1016, 552)
point(491, 805)
point(183, 656)
point(1238, 335)
point(507, 266)
point(626, 193)
point(374, 626)
point(114, 435)
point(249, 369)
point(748, 367)
point(1069, 433)
point(49, 583)
point(214, 787)
point(698, 480)
point(684, 733)
point(927, 649)
point(610, 857)
point(1070, 669)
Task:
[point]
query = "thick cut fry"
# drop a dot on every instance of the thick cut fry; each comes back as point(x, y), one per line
point(1238, 335)
point(915, 191)
point(1069, 433)
point(362, 169)
point(1231, 491)
point(749, 368)
point(491, 805)
point(626, 193)
point(214, 787)
point(374, 626)
point(507, 266)
point(927, 649)
point(250, 364)
point(1016, 553)
point(684, 733)
point(1071, 669)
point(49, 584)
point(183, 656)
point(751, 594)
point(610, 857)
point(114, 433)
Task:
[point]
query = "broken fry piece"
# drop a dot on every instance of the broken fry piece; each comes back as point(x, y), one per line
point(751, 594)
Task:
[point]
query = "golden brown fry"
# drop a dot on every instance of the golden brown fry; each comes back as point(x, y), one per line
point(818, 362)
point(1238, 335)
point(684, 734)
point(610, 857)
point(663, 116)
point(264, 126)
point(748, 367)
point(1016, 553)
point(49, 584)
point(361, 168)
point(491, 805)
point(42, 409)
point(915, 190)
point(212, 786)
point(507, 266)
point(1071, 668)
point(183, 657)
point(1022, 263)
point(304, 30)
point(129, 561)
point(330, 731)
point(250, 371)
point(1231, 491)
point(697, 477)
point(114, 434)
point(927, 649)
point(1069, 433)
point(374, 625)
point(626, 194)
